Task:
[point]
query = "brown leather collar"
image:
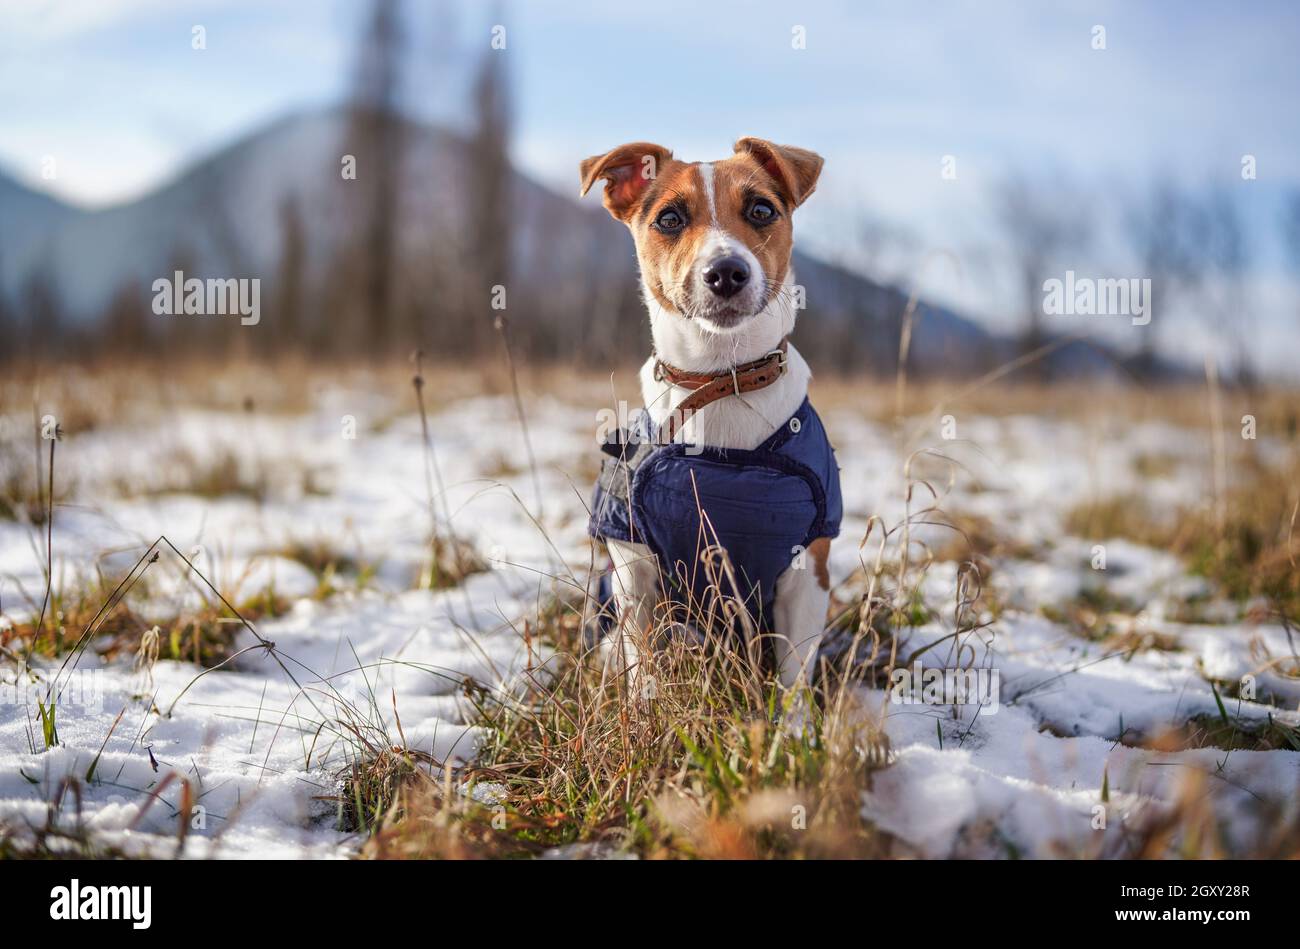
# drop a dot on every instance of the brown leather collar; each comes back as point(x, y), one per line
point(710, 387)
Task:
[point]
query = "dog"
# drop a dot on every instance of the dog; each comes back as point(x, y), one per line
point(728, 454)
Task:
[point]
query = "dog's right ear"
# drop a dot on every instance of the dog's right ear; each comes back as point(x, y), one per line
point(628, 171)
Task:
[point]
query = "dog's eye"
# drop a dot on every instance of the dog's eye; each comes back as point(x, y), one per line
point(760, 212)
point(669, 221)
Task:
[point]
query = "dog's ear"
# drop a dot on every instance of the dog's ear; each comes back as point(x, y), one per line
point(796, 170)
point(627, 170)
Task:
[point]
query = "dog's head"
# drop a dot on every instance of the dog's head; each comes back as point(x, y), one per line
point(713, 239)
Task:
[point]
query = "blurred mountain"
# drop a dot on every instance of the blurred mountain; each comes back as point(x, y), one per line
point(27, 221)
point(572, 268)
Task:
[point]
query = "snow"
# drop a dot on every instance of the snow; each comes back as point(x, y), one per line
point(249, 739)
point(244, 735)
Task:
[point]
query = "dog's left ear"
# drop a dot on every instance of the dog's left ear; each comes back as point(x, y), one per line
point(796, 170)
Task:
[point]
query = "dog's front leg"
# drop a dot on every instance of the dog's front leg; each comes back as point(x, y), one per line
point(636, 588)
point(802, 596)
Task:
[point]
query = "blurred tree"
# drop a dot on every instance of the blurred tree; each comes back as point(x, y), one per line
point(1224, 294)
point(179, 333)
point(39, 301)
point(288, 331)
point(434, 273)
point(127, 328)
point(375, 136)
point(1291, 231)
point(885, 250)
point(1046, 226)
point(1165, 227)
point(8, 334)
point(221, 231)
point(489, 178)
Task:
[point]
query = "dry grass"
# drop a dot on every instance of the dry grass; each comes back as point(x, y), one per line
point(117, 391)
point(121, 391)
point(20, 499)
point(1249, 547)
point(55, 841)
point(695, 764)
point(689, 754)
point(1226, 732)
point(693, 760)
point(702, 768)
point(69, 617)
point(1276, 409)
point(111, 616)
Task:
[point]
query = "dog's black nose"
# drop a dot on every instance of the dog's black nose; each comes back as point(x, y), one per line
point(726, 276)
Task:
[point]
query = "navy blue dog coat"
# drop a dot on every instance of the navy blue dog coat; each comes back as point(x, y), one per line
point(763, 507)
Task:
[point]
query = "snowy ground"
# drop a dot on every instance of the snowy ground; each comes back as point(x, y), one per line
point(247, 737)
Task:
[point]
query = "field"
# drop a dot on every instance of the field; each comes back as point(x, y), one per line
point(293, 610)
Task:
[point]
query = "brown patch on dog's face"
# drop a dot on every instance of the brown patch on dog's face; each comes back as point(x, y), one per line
point(713, 239)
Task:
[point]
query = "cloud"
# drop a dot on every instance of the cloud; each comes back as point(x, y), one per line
point(36, 20)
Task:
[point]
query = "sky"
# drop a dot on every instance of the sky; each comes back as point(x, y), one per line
point(114, 91)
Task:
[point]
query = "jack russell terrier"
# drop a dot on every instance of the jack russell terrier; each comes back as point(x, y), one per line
point(728, 455)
